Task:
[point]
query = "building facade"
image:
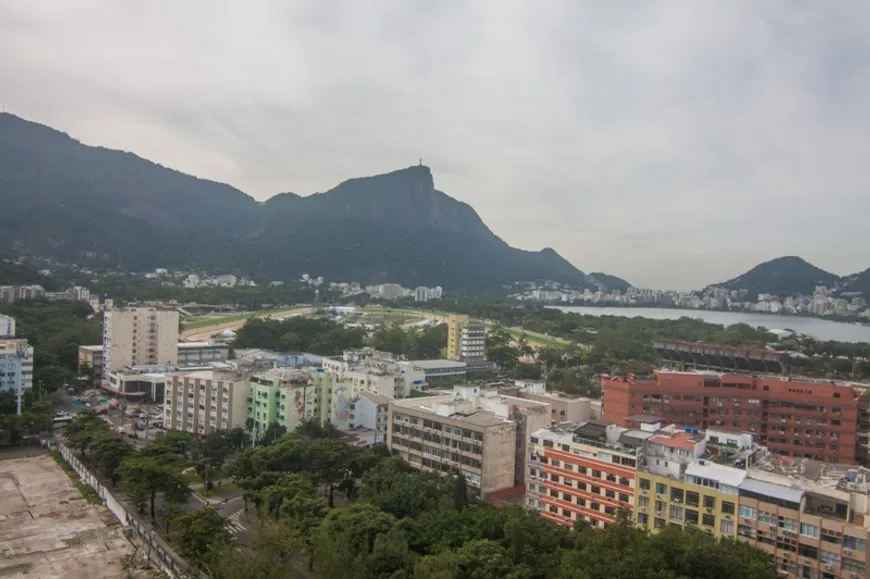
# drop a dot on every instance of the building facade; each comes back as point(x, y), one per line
point(206, 401)
point(466, 339)
point(16, 365)
point(7, 327)
point(798, 417)
point(201, 353)
point(290, 396)
point(10, 293)
point(371, 411)
point(93, 357)
point(583, 473)
point(478, 433)
point(138, 337)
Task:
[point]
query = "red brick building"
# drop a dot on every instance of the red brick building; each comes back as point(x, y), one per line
point(801, 417)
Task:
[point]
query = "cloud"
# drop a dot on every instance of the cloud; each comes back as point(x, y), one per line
point(674, 143)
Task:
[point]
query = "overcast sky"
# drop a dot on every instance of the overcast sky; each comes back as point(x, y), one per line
point(673, 143)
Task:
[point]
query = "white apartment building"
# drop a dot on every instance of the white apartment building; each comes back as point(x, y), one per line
point(480, 433)
point(201, 353)
point(367, 370)
point(371, 411)
point(227, 280)
point(139, 337)
point(472, 341)
point(7, 327)
point(205, 401)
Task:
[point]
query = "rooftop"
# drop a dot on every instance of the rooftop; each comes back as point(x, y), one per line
point(470, 404)
point(48, 530)
point(97, 348)
point(375, 397)
point(191, 345)
point(680, 440)
point(434, 364)
point(723, 474)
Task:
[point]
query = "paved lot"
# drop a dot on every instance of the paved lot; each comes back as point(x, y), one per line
point(48, 530)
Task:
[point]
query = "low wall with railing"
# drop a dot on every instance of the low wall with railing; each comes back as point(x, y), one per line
point(157, 549)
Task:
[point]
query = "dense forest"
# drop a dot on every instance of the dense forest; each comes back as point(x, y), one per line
point(298, 334)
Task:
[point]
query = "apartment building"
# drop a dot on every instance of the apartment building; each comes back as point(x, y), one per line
point(563, 408)
point(476, 432)
point(583, 472)
point(10, 293)
point(93, 357)
point(368, 370)
point(798, 417)
point(371, 411)
point(291, 396)
point(205, 401)
point(16, 365)
point(812, 517)
point(466, 339)
point(201, 353)
point(7, 327)
point(138, 337)
point(703, 497)
point(439, 370)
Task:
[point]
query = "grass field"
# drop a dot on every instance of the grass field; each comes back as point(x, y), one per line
point(218, 320)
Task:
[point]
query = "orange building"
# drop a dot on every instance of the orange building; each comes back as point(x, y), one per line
point(583, 473)
point(799, 417)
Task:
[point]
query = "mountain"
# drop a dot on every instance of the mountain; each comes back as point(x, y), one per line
point(783, 276)
point(76, 202)
point(858, 282)
point(608, 282)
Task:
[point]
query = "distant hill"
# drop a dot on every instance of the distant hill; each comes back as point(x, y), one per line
point(609, 282)
point(858, 282)
point(63, 199)
point(783, 276)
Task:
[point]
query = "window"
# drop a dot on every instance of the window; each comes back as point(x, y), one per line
point(744, 531)
point(691, 517)
point(676, 513)
point(692, 499)
point(624, 498)
point(853, 566)
point(677, 494)
point(809, 530)
point(769, 518)
point(854, 543)
point(727, 528)
point(788, 524)
point(709, 520)
point(555, 463)
point(727, 508)
point(661, 489)
point(832, 559)
point(609, 494)
point(596, 473)
point(644, 484)
point(748, 512)
point(709, 502)
point(807, 551)
point(643, 502)
point(659, 524)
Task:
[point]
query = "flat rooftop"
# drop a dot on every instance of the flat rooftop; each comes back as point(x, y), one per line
point(435, 364)
point(48, 530)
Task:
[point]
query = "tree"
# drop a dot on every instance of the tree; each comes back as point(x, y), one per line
point(199, 533)
point(330, 460)
point(345, 535)
point(148, 476)
point(237, 437)
point(84, 430)
point(272, 433)
point(109, 452)
point(400, 491)
point(460, 492)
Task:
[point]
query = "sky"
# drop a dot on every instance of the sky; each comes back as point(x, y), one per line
point(674, 143)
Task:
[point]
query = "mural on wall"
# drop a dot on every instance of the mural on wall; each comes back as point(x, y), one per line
point(342, 404)
point(299, 402)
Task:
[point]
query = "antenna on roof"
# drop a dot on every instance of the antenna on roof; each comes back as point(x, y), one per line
point(421, 161)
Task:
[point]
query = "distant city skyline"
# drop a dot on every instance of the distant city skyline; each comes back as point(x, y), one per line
point(673, 144)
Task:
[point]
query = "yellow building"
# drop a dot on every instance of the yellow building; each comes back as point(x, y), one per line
point(662, 500)
point(455, 324)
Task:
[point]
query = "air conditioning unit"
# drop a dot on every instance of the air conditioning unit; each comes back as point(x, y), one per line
point(678, 501)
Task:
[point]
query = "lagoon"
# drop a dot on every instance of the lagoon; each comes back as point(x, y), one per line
point(815, 327)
